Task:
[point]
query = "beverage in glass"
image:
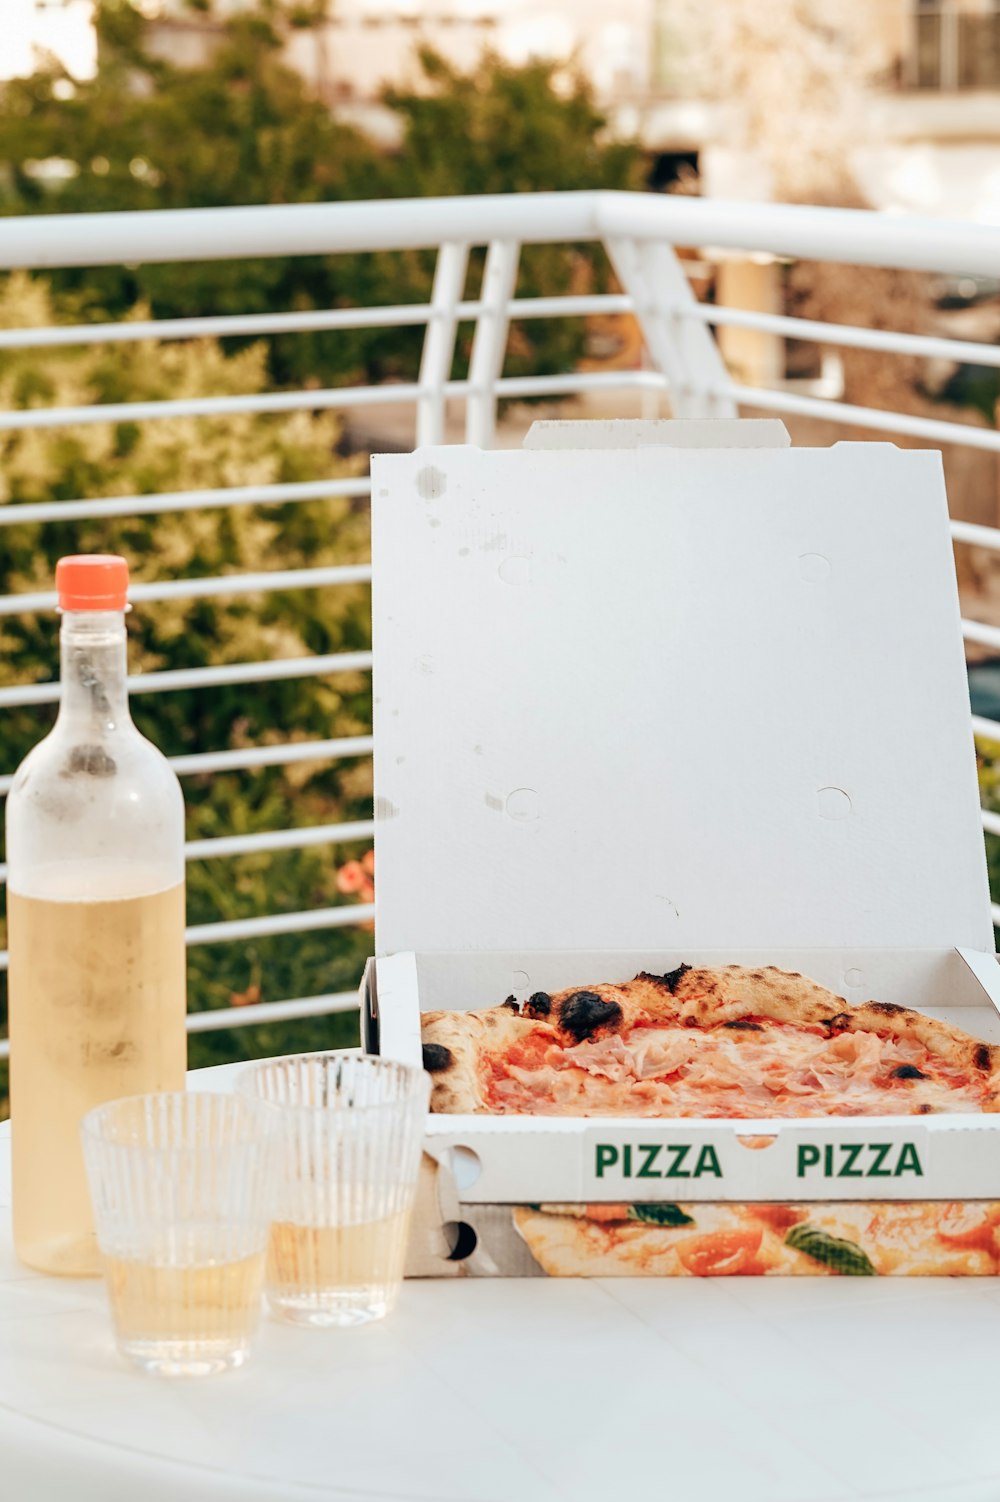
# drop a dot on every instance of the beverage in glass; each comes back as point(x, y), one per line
point(352, 1132)
point(183, 1192)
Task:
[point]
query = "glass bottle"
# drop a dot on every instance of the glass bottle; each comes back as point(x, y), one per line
point(95, 853)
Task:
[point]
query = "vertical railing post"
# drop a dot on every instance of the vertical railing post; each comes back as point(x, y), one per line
point(683, 349)
point(439, 340)
point(490, 341)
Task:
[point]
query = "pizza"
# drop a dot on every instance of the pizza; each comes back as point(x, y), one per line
point(928, 1239)
point(710, 1043)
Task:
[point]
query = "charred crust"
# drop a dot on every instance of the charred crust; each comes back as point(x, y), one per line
point(886, 1008)
point(437, 1057)
point(982, 1056)
point(924, 1109)
point(839, 1023)
point(673, 978)
point(906, 1072)
point(511, 1004)
point(742, 1025)
point(584, 1013)
point(538, 1006)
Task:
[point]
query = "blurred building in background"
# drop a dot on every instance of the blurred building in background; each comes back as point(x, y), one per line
point(32, 29)
point(676, 73)
point(888, 104)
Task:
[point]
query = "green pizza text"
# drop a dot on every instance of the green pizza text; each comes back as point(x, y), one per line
point(656, 1161)
point(858, 1160)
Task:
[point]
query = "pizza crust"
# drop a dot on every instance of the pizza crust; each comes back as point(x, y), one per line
point(466, 1037)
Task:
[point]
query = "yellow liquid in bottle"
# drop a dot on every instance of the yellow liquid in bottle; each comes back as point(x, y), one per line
point(97, 1007)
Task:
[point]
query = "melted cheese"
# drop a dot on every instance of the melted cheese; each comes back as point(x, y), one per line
point(776, 1070)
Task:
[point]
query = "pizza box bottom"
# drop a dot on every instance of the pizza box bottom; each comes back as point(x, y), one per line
point(570, 1196)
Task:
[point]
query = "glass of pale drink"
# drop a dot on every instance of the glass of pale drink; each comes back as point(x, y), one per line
point(182, 1188)
point(353, 1127)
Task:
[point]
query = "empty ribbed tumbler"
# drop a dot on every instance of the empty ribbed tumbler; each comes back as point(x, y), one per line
point(183, 1193)
point(353, 1127)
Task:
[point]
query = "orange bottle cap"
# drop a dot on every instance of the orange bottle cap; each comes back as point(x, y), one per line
point(92, 581)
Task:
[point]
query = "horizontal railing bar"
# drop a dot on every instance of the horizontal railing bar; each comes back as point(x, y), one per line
point(558, 307)
point(269, 925)
point(212, 677)
point(849, 335)
point(995, 909)
point(979, 536)
point(271, 839)
point(914, 242)
point(334, 397)
point(218, 327)
point(279, 839)
point(554, 385)
point(988, 729)
point(865, 417)
point(290, 401)
point(282, 923)
point(226, 846)
point(210, 588)
point(181, 500)
point(991, 821)
point(271, 1011)
point(230, 1017)
point(978, 631)
point(282, 755)
point(317, 320)
point(102, 239)
point(859, 237)
point(251, 757)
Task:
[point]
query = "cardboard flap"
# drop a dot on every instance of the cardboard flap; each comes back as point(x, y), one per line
point(660, 696)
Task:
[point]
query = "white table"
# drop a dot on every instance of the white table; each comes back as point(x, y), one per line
point(724, 1390)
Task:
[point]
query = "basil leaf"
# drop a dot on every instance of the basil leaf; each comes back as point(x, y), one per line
point(660, 1215)
point(845, 1257)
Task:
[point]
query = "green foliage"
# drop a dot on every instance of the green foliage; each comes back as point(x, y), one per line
point(241, 129)
point(181, 454)
point(988, 759)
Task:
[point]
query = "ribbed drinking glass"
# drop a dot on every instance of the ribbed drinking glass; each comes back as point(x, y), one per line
point(353, 1127)
point(183, 1188)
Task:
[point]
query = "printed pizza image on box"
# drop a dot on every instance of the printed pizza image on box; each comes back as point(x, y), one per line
point(700, 964)
point(703, 1240)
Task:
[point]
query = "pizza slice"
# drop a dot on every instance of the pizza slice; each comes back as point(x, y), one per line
point(710, 1043)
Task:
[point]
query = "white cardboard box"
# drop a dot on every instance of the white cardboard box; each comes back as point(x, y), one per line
point(647, 704)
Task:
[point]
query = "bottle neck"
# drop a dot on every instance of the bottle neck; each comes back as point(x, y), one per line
point(94, 671)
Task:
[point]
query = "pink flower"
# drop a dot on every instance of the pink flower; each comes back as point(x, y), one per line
point(350, 877)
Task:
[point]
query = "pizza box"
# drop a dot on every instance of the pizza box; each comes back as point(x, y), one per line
point(651, 702)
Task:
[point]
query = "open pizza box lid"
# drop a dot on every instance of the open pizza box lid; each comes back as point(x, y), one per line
point(699, 697)
point(652, 696)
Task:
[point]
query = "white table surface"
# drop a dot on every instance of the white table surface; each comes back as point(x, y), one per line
point(715, 1390)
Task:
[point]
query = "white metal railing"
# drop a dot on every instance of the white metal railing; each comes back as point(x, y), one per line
point(640, 233)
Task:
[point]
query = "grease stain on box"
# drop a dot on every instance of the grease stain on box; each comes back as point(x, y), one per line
point(431, 483)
